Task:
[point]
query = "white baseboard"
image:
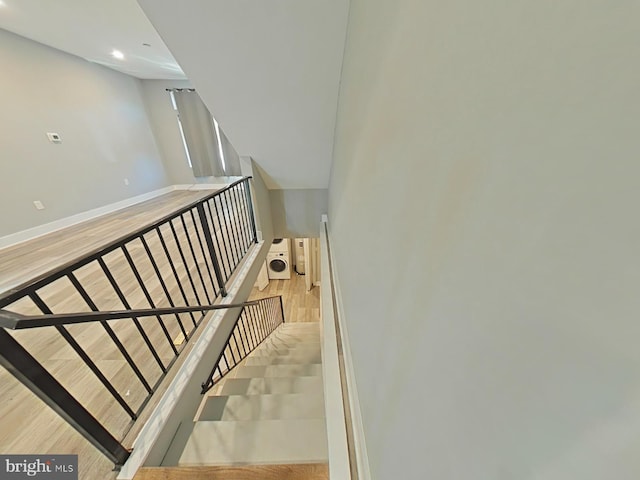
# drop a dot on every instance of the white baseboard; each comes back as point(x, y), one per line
point(35, 232)
point(338, 454)
point(362, 456)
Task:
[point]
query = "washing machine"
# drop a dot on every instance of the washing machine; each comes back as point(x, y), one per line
point(279, 245)
point(278, 266)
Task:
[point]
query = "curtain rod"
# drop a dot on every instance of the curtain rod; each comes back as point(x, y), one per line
point(180, 89)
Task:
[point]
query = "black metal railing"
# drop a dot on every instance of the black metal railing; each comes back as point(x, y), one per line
point(122, 314)
point(255, 323)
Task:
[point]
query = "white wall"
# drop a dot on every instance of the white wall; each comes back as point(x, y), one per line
point(103, 124)
point(296, 212)
point(484, 221)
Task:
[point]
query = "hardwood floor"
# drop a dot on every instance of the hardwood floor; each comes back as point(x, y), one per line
point(26, 260)
point(299, 305)
point(29, 426)
point(26, 424)
point(318, 471)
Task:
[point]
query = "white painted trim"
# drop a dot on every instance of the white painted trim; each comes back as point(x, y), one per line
point(50, 227)
point(35, 232)
point(335, 426)
point(337, 445)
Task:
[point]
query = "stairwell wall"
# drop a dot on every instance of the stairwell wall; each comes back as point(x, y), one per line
point(483, 220)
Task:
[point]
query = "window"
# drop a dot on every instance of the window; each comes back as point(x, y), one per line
point(208, 150)
point(184, 141)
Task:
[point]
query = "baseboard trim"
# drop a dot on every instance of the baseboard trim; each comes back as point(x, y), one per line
point(40, 230)
point(339, 464)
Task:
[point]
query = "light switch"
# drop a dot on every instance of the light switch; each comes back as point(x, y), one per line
point(54, 137)
point(38, 204)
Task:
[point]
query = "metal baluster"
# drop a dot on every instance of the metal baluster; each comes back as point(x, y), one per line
point(217, 234)
point(224, 355)
point(136, 322)
point(163, 285)
point(244, 328)
point(83, 293)
point(225, 240)
point(195, 260)
point(235, 239)
point(184, 262)
point(245, 212)
point(36, 378)
point(237, 215)
point(233, 334)
point(148, 297)
point(251, 215)
point(178, 282)
point(244, 349)
point(207, 236)
point(83, 355)
point(216, 289)
point(256, 321)
point(232, 236)
point(281, 310)
point(233, 357)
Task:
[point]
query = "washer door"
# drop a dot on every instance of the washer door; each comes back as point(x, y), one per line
point(276, 241)
point(277, 265)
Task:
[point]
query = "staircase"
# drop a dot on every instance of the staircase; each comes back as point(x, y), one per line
point(265, 420)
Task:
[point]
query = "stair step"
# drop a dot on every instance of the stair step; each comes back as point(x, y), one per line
point(301, 325)
point(300, 347)
point(283, 350)
point(303, 471)
point(256, 442)
point(278, 371)
point(284, 360)
point(296, 336)
point(282, 385)
point(262, 407)
point(308, 337)
point(275, 342)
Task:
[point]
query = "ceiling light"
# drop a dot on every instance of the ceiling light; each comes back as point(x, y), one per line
point(2, 4)
point(118, 54)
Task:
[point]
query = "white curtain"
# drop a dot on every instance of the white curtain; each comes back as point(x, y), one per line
point(199, 134)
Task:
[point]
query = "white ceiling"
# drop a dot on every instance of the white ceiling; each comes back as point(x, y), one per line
point(92, 29)
point(269, 71)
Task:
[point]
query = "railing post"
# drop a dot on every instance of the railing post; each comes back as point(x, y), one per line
point(281, 309)
point(209, 239)
point(28, 371)
point(251, 215)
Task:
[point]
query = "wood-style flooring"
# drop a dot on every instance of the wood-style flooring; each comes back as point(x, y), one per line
point(299, 305)
point(29, 426)
point(318, 471)
point(26, 424)
point(26, 260)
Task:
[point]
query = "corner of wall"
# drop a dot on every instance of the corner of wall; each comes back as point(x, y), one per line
point(261, 200)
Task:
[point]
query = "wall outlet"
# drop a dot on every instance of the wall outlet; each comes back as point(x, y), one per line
point(38, 204)
point(54, 137)
point(126, 181)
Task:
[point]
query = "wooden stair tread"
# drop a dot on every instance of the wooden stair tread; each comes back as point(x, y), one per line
point(304, 471)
